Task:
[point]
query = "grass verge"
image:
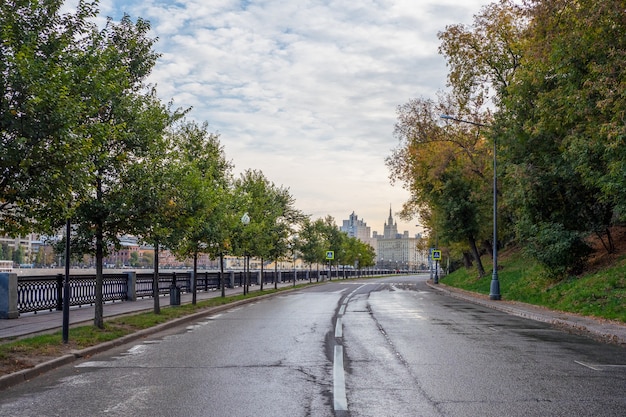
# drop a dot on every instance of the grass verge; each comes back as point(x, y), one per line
point(599, 294)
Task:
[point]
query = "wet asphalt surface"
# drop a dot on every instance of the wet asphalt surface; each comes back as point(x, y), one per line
point(384, 347)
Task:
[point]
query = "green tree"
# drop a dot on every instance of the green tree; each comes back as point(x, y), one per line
point(43, 56)
point(484, 57)
point(333, 239)
point(151, 183)
point(564, 130)
point(311, 243)
point(134, 259)
point(250, 191)
point(204, 175)
point(282, 234)
point(272, 217)
point(19, 255)
point(448, 172)
point(358, 253)
point(120, 121)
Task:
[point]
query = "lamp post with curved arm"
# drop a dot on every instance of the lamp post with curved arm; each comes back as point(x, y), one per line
point(494, 292)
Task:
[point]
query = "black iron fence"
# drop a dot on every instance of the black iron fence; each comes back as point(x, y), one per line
point(45, 292)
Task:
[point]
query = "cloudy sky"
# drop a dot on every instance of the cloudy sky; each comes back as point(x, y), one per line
point(304, 90)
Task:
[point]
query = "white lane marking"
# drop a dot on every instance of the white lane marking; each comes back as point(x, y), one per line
point(339, 382)
point(586, 365)
point(597, 367)
point(342, 310)
point(338, 328)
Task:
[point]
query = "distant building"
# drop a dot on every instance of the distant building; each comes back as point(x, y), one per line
point(29, 244)
point(357, 228)
point(393, 250)
point(397, 250)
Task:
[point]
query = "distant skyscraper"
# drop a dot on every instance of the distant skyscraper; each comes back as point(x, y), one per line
point(357, 228)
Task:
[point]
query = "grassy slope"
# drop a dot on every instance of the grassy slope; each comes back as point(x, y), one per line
point(600, 294)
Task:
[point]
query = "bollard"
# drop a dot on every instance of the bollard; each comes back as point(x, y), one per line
point(174, 295)
point(174, 292)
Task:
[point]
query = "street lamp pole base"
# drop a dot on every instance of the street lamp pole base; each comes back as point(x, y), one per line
point(494, 292)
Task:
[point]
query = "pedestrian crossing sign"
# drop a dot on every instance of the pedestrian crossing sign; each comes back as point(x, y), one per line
point(436, 255)
point(330, 254)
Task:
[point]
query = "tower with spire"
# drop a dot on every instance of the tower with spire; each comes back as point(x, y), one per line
point(391, 228)
point(397, 250)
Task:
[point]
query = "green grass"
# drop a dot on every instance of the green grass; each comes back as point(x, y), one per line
point(599, 294)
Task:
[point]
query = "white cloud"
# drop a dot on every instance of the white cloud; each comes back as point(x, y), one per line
point(304, 90)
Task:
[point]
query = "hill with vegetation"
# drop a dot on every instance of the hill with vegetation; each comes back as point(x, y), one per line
point(600, 291)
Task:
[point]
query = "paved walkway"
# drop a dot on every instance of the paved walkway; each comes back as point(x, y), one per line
point(51, 321)
point(599, 329)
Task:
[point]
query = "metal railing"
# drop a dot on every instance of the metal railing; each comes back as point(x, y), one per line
point(45, 292)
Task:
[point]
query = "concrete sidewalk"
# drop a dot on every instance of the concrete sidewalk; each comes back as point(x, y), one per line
point(51, 321)
point(606, 331)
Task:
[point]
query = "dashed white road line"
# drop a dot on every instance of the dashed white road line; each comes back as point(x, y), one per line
point(338, 328)
point(339, 382)
point(339, 379)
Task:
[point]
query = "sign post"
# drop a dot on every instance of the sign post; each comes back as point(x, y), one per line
point(436, 254)
point(330, 255)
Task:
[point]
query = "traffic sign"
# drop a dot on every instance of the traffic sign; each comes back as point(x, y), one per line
point(436, 255)
point(330, 254)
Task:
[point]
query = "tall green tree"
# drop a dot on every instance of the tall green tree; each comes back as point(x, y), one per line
point(448, 172)
point(273, 217)
point(282, 234)
point(253, 199)
point(565, 130)
point(151, 184)
point(311, 242)
point(334, 240)
point(483, 57)
point(43, 57)
point(204, 180)
point(120, 120)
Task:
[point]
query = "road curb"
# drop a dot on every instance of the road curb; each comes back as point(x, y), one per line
point(9, 380)
point(601, 330)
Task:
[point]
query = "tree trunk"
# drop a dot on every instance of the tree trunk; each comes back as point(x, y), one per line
point(155, 281)
point(609, 245)
point(476, 255)
point(488, 246)
point(467, 260)
point(262, 274)
point(222, 278)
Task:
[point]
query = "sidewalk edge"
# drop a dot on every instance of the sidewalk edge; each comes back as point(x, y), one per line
point(564, 322)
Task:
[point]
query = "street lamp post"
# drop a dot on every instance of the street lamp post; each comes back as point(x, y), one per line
point(494, 292)
point(245, 220)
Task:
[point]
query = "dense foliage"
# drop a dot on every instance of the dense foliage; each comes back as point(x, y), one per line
point(544, 81)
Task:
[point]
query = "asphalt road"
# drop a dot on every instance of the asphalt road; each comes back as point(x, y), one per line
point(385, 347)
